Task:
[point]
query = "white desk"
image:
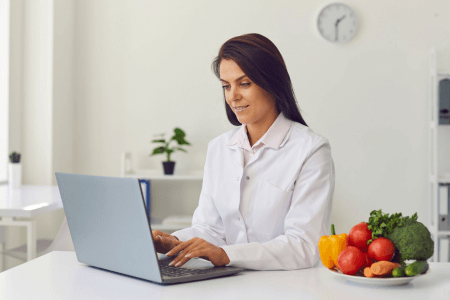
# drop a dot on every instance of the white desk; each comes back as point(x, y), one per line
point(58, 275)
point(20, 206)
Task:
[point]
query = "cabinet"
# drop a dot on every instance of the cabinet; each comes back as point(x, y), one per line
point(439, 155)
point(172, 223)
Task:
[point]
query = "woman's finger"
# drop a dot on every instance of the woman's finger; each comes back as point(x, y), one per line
point(155, 233)
point(159, 247)
point(166, 242)
point(195, 253)
point(196, 245)
point(179, 247)
point(169, 243)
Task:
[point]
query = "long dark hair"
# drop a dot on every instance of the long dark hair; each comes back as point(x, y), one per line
point(261, 61)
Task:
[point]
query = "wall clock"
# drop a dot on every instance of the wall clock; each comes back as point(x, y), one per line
point(337, 23)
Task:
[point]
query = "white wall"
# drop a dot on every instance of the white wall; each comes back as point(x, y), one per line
point(36, 154)
point(4, 90)
point(144, 67)
point(41, 119)
point(62, 88)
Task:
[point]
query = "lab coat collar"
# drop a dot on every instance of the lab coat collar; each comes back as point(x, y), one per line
point(238, 155)
point(269, 140)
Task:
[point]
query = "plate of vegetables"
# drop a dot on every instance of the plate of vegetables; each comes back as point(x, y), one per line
point(393, 275)
point(375, 252)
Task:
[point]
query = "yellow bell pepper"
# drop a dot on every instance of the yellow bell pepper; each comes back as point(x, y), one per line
point(331, 246)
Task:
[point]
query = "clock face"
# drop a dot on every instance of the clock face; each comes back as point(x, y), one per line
point(337, 23)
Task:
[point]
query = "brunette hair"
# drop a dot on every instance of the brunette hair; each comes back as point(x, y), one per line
point(261, 61)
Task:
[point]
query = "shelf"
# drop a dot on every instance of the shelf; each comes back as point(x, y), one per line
point(437, 176)
point(443, 72)
point(444, 178)
point(434, 124)
point(167, 227)
point(159, 175)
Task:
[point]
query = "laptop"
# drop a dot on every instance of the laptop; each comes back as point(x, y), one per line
point(111, 230)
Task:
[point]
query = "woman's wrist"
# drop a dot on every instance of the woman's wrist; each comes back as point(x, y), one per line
point(226, 259)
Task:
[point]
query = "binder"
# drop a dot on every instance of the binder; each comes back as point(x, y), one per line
point(444, 205)
point(145, 186)
point(444, 102)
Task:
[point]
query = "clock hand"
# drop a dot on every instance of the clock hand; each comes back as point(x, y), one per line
point(338, 20)
point(336, 26)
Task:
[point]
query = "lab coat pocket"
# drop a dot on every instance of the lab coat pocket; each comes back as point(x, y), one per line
point(270, 208)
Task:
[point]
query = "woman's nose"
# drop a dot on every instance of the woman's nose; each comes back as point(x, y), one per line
point(234, 93)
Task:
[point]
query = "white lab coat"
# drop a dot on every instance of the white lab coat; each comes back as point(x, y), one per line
point(292, 189)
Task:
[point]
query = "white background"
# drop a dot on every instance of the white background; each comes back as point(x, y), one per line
point(4, 88)
point(92, 79)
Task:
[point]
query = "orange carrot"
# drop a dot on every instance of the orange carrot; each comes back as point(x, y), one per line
point(383, 267)
point(368, 272)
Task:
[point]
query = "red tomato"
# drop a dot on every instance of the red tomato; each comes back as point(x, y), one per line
point(359, 235)
point(369, 261)
point(350, 260)
point(381, 249)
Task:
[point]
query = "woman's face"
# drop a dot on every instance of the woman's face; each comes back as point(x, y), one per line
point(241, 91)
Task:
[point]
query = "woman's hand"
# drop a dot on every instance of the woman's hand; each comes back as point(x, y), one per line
point(164, 241)
point(197, 247)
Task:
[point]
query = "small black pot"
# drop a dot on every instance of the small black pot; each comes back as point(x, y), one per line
point(169, 167)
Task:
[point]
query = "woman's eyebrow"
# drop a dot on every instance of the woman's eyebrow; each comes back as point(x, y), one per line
point(235, 80)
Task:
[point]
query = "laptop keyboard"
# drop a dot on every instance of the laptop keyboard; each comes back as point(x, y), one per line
point(173, 271)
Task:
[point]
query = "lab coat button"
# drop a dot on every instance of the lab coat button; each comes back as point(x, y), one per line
point(247, 178)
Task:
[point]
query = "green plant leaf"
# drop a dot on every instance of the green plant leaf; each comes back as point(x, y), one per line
point(180, 140)
point(179, 132)
point(158, 150)
point(159, 141)
point(181, 149)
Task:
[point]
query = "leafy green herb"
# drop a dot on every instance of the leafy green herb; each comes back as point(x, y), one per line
point(383, 224)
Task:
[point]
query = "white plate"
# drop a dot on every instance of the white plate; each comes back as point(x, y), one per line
point(389, 281)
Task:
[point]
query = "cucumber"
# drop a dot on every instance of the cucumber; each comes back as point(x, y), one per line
point(399, 272)
point(416, 268)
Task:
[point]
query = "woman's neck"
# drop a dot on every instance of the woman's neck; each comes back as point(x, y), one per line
point(256, 130)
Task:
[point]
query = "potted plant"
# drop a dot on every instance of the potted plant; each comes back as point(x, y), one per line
point(168, 165)
point(14, 170)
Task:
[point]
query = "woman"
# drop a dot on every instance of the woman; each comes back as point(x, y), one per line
point(268, 185)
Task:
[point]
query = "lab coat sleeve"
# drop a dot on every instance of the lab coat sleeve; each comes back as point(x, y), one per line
point(308, 218)
point(206, 221)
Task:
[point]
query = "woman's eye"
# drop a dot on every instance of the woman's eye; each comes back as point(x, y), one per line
point(243, 84)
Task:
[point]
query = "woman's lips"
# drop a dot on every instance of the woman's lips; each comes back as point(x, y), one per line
point(240, 110)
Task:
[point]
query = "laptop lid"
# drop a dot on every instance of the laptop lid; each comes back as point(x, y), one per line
point(109, 225)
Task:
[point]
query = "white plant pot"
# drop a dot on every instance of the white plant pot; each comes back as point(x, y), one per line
point(15, 174)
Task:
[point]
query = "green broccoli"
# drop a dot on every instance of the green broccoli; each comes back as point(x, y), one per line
point(412, 241)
